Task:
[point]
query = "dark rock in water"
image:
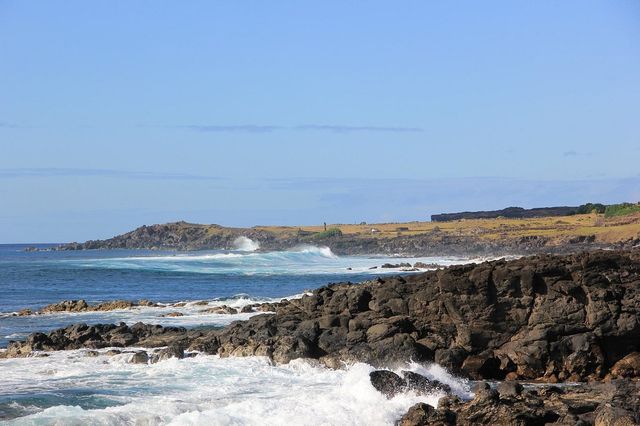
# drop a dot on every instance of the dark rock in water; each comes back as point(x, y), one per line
point(396, 265)
point(424, 385)
point(387, 382)
point(173, 351)
point(422, 265)
point(246, 309)
point(140, 357)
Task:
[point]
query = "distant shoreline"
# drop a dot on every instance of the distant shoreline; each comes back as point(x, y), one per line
point(468, 237)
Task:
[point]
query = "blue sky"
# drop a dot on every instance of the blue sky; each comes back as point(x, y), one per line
point(116, 114)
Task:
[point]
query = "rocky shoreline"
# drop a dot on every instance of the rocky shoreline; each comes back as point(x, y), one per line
point(546, 319)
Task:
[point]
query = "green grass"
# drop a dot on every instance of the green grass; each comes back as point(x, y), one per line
point(621, 209)
point(331, 232)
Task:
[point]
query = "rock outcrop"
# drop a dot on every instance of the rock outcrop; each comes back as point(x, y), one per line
point(101, 336)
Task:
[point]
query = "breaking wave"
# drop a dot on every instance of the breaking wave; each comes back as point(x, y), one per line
point(70, 388)
point(243, 243)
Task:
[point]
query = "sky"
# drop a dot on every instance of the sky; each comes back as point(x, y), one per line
point(118, 114)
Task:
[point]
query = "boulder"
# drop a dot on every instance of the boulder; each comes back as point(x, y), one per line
point(387, 382)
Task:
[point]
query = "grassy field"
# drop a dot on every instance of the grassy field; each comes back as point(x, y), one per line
point(605, 229)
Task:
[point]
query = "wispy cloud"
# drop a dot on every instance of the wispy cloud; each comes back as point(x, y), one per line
point(261, 128)
point(112, 173)
point(7, 125)
point(573, 153)
point(350, 129)
point(242, 128)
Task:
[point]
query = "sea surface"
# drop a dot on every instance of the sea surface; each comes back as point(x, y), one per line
point(70, 387)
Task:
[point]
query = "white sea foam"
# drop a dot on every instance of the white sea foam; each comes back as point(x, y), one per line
point(243, 243)
point(204, 390)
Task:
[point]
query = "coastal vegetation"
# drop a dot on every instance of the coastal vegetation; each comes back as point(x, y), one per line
point(622, 209)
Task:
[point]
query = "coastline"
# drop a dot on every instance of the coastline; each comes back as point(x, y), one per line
point(545, 318)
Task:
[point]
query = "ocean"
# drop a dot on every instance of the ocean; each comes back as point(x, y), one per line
point(70, 387)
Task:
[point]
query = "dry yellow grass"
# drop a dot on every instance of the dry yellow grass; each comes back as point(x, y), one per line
point(605, 229)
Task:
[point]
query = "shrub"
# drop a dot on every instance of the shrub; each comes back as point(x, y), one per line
point(591, 208)
point(621, 209)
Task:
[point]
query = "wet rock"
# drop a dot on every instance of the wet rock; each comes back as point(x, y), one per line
point(246, 309)
point(423, 385)
point(146, 303)
point(387, 382)
point(139, 357)
point(173, 351)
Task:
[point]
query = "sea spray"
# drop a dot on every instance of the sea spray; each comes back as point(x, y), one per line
point(243, 243)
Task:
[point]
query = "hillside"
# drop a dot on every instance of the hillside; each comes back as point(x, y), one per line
point(477, 236)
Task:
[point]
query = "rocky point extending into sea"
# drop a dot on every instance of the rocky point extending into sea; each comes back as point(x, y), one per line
point(531, 325)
